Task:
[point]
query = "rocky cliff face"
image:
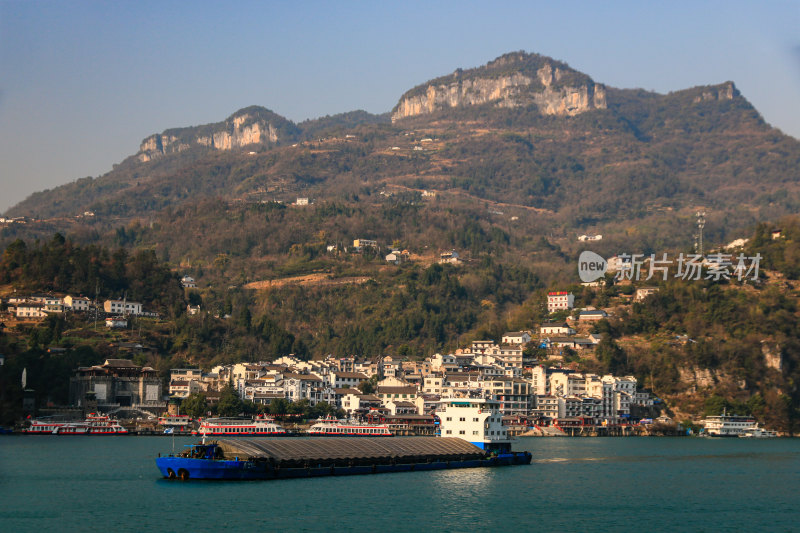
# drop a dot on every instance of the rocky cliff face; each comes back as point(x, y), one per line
point(546, 87)
point(726, 91)
point(241, 129)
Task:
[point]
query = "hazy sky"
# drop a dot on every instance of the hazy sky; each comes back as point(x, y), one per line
point(82, 83)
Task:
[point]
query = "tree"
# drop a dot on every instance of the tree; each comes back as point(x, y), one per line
point(229, 402)
point(369, 386)
point(194, 405)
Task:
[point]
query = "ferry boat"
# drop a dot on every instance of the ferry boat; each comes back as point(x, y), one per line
point(757, 433)
point(239, 427)
point(332, 427)
point(726, 425)
point(43, 427)
point(472, 437)
point(94, 424)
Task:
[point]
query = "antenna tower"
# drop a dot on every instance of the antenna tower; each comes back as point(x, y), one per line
point(701, 223)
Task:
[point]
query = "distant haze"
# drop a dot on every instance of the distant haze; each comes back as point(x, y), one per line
point(84, 82)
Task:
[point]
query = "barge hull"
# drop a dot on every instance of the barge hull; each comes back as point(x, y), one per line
point(190, 468)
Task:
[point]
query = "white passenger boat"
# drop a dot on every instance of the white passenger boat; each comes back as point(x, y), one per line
point(43, 427)
point(757, 433)
point(239, 427)
point(94, 424)
point(726, 425)
point(333, 427)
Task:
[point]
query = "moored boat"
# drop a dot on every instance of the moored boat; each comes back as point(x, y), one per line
point(43, 426)
point(726, 425)
point(757, 433)
point(333, 427)
point(239, 427)
point(94, 424)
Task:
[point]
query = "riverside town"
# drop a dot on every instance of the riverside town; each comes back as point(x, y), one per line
point(532, 376)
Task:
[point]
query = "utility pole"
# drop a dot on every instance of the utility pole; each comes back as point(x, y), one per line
point(96, 289)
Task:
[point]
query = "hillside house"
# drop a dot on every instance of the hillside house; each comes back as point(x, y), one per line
point(122, 307)
point(77, 303)
point(396, 257)
point(556, 328)
point(516, 337)
point(360, 245)
point(30, 310)
point(592, 315)
point(644, 292)
point(450, 257)
point(559, 301)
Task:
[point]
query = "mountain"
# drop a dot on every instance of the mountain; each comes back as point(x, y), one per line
point(524, 130)
point(252, 126)
point(512, 80)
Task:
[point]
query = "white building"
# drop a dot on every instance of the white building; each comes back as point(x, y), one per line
point(340, 380)
point(516, 337)
point(559, 301)
point(122, 307)
point(77, 303)
point(556, 328)
point(30, 310)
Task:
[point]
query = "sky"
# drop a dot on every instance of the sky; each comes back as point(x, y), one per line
point(83, 82)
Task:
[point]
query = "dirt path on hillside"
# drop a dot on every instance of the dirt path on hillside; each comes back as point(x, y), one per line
point(459, 192)
point(313, 280)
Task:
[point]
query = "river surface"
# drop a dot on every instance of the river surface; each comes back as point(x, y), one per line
point(50, 484)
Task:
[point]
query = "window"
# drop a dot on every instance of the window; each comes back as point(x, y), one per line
point(449, 419)
point(449, 432)
point(461, 432)
point(474, 432)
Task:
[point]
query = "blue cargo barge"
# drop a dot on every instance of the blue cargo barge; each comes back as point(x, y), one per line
point(472, 437)
point(265, 459)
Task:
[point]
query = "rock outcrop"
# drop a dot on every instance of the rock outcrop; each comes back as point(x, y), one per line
point(247, 127)
point(512, 80)
point(726, 91)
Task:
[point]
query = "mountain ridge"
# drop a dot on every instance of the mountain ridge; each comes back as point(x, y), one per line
point(697, 146)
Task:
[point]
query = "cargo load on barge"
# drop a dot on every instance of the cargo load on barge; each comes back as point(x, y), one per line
point(474, 437)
